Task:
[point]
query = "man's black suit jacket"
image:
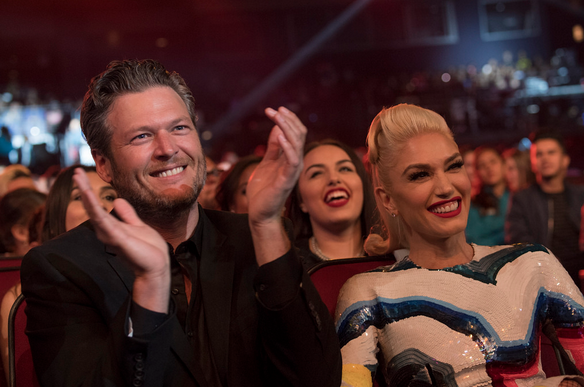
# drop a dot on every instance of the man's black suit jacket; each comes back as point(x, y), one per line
point(78, 296)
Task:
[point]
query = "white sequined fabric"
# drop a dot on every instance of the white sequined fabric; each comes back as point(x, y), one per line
point(476, 324)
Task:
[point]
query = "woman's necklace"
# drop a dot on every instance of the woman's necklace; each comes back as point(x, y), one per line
point(318, 252)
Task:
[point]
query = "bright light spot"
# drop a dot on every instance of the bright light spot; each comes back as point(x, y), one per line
point(313, 117)
point(519, 75)
point(161, 42)
point(85, 157)
point(487, 69)
point(562, 71)
point(18, 140)
point(207, 135)
point(533, 109)
point(577, 33)
point(54, 117)
point(6, 97)
point(35, 131)
point(75, 125)
point(524, 145)
point(445, 77)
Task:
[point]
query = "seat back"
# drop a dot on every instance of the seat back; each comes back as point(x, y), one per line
point(9, 273)
point(9, 276)
point(329, 276)
point(21, 372)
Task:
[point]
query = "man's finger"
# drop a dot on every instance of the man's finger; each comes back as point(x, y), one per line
point(290, 151)
point(90, 202)
point(126, 212)
point(273, 149)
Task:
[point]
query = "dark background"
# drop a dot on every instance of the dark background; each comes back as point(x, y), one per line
point(226, 48)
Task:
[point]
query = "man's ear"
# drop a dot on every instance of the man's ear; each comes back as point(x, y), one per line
point(386, 200)
point(102, 166)
point(566, 162)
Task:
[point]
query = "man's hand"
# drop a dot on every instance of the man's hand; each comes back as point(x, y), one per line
point(143, 248)
point(271, 184)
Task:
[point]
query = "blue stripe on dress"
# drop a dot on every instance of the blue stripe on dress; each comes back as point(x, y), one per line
point(356, 319)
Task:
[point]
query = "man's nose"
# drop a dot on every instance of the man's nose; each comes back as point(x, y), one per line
point(166, 145)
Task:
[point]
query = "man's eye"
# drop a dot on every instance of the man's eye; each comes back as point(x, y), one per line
point(140, 136)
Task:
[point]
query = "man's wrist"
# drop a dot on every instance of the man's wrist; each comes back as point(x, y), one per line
point(270, 240)
point(152, 293)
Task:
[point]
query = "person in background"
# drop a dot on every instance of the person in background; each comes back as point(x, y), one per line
point(62, 211)
point(468, 156)
point(450, 313)
point(16, 209)
point(332, 206)
point(549, 210)
point(518, 174)
point(207, 198)
point(15, 176)
point(5, 145)
point(232, 190)
point(486, 217)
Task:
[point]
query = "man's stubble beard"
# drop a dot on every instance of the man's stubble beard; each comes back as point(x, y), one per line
point(152, 207)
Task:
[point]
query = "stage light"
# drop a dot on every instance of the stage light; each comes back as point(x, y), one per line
point(207, 135)
point(578, 33)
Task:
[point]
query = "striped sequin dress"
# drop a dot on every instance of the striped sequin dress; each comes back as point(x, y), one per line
point(476, 324)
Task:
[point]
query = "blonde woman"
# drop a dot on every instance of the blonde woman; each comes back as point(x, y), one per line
point(451, 313)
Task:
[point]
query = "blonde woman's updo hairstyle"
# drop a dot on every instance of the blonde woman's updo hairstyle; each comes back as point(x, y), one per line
point(390, 130)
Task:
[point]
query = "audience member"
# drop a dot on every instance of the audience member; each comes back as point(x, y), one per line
point(450, 313)
point(5, 145)
point(486, 216)
point(332, 205)
point(13, 177)
point(166, 293)
point(468, 156)
point(64, 209)
point(207, 198)
point(549, 210)
point(518, 174)
point(232, 190)
point(16, 209)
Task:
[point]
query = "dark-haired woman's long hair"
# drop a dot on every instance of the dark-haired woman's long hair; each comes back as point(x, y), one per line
point(54, 223)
